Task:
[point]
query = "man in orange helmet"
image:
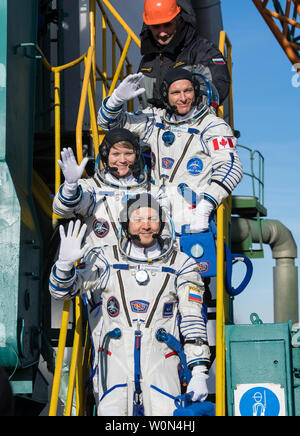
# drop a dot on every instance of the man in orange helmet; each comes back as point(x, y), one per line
point(169, 39)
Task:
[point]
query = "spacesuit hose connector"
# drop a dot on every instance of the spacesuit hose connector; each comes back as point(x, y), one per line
point(114, 334)
point(163, 336)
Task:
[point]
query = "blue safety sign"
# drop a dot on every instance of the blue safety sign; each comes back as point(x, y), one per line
point(259, 400)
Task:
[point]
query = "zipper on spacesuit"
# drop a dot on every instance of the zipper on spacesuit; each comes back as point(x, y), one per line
point(138, 408)
point(138, 336)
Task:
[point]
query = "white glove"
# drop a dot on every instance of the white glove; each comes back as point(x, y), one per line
point(70, 247)
point(128, 89)
point(200, 217)
point(198, 384)
point(71, 171)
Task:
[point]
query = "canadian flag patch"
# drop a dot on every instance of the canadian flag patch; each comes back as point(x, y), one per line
point(223, 143)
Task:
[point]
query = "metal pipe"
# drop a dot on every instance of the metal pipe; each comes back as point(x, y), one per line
point(220, 316)
point(59, 358)
point(209, 18)
point(83, 98)
point(284, 250)
point(209, 21)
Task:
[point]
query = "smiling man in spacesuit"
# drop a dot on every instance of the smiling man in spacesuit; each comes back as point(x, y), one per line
point(189, 143)
point(144, 284)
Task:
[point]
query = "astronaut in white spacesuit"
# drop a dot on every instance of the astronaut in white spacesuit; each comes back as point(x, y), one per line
point(120, 170)
point(148, 290)
point(190, 145)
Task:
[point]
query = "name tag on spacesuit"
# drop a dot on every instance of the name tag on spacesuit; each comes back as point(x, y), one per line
point(178, 128)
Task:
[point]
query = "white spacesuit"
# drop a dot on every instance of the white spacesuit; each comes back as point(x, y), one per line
point(99, 199)
point(145, 290)
point(197, 148)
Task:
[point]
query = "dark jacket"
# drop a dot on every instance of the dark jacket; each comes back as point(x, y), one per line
point(188, 49)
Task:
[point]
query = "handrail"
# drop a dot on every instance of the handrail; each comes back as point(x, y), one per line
point(76, 361)
point(88, 92)
point(76, 365)
point(59, 358)
point(120, 65)
point(91, 86)
point(223, 218)
point(226, 49)
point(261, 173)
point(84, 93)
point(43, 58)
point(57, 104)
point(122, 22)
point(131, 36)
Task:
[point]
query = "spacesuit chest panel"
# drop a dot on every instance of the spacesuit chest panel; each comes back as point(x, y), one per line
point(128, 302)
point(184, 158)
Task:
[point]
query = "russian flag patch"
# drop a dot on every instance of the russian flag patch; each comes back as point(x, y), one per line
point(219, 61)
point(195, 294)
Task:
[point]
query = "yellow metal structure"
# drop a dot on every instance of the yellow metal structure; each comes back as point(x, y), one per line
point(223, 223)
point(283, 21)
point(80, 359)
point(92, 75)
point(59, 359)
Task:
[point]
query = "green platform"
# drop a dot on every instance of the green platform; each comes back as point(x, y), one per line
point(260, 358)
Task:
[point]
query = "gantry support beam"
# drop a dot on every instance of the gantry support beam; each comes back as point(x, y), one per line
point(284, 23)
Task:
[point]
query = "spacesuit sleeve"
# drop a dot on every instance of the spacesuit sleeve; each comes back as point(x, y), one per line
point(140, 123)
point(86, 276)
point(83, 203)
point(193, 317)
point(220, 143)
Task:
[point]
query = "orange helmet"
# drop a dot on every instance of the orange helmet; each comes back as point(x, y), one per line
point(160, 11)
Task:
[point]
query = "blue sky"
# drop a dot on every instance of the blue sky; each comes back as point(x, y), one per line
point(266, 112)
